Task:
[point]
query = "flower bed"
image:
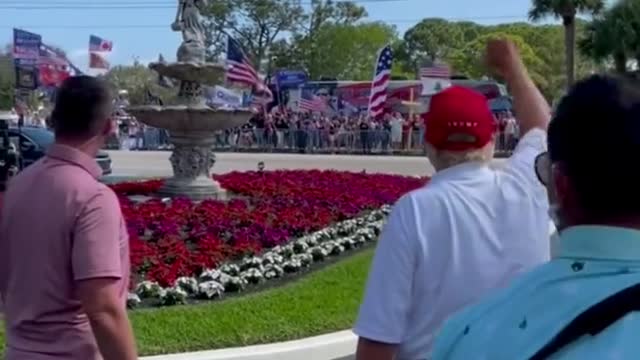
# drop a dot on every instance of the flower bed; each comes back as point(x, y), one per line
point(278, 222)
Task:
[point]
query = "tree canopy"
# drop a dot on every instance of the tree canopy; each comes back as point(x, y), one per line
point(335, 39)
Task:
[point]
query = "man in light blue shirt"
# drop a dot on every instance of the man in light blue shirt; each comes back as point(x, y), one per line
point(580, 305)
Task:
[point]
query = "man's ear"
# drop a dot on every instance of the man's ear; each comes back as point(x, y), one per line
point(562, 191)
point(110, 127)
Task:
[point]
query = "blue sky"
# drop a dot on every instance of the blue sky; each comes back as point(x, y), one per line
point(144, 32)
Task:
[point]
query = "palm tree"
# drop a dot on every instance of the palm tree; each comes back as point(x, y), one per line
point(615, 35)
point(567, 11)
point(604, 40)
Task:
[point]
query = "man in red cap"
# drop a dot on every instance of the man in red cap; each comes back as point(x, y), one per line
point(471, 230)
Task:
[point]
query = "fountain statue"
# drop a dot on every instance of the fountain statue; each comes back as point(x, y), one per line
point(191, 123)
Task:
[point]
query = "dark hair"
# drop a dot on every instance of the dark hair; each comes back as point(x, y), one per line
point(83, 104)
point(595, 136)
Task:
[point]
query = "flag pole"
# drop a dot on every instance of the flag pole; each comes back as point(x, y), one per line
point(226, 50)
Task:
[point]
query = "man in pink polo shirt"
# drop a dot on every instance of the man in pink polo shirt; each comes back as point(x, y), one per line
point(64, 254)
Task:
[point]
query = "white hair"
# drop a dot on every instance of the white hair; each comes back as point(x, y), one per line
point(442, 159)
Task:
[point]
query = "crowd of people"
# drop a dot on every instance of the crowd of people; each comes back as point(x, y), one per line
point(314, 133)
point(465, 267)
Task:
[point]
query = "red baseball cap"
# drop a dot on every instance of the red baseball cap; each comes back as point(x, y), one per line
point(459, 119)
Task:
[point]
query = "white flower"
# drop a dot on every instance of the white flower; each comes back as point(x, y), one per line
point(313, 240)
point(234, 284)
point(300, 247)
point(348, 243)
point(318, 253)
point(148, 289)
point(252, 276)
point(304, 259)
point(271, 258)
point(273, 271)
point(210, 290)
point(286, 251)
point(292, 266)
point(173, 296)
point(209, 275)
point(337, 249)
point(188, 284)
point(133, 300)
point(251, 263)
point(231, 269)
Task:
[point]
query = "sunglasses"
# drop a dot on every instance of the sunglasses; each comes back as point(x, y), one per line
point(542, 166)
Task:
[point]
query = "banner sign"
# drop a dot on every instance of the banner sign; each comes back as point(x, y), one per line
point(290, 78)
point(219, 95)
point(26, 45)
point(26, 77)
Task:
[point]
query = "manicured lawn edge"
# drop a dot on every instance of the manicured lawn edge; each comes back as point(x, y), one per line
point(321, 302)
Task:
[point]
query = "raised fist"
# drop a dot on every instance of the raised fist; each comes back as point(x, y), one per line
point(502, 57)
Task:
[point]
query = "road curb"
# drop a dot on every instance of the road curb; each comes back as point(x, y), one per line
point(324, 347)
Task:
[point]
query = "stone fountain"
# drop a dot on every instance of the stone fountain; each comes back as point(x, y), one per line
point(191, 123)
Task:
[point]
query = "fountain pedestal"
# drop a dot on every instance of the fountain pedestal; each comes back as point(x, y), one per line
point(191, 160)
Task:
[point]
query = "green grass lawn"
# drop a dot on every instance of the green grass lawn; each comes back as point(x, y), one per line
point(322, 302)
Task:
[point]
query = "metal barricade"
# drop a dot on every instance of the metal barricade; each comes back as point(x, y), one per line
point(320, 141)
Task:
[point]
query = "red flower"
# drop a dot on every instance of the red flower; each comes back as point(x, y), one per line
point(180, 238)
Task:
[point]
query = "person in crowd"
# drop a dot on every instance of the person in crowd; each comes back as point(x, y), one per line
point(396, 131)
point(471, 230)
point(511, 128)
point(64, 249)
point(364, 127)
point(593, 278)
point(281, 129)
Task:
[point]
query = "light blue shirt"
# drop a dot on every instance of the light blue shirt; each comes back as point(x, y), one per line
point(591, 263)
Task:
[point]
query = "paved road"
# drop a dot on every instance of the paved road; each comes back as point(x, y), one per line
point(156, 163)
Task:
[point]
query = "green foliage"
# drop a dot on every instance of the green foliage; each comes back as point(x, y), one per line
point(136, 80)
point(346, 51)
point(541, 9)
point(7, 81)
point(469, 58)
point(254, 23)
point(567, 11)
point(614, 36)
point(542, 46)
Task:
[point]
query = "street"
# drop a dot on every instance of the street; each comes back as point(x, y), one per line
point(156, 163)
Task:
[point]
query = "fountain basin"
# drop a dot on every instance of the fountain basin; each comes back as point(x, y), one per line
point(190, 118)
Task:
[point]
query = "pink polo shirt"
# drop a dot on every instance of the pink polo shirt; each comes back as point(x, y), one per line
point(59, 225)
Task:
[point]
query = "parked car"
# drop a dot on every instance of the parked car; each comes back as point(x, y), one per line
point(34, 142)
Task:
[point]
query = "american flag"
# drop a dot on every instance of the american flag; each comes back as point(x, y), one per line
point(98, 44)
point(380, 82)
point(310, 102)
point(439, 71)
point(241, 70)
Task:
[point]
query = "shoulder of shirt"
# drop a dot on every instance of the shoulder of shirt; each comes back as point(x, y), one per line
point(426, 193)
point(411, 203)
point(491, 306)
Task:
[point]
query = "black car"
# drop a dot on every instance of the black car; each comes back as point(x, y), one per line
point(34, 142)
